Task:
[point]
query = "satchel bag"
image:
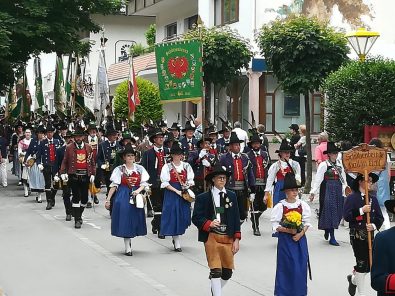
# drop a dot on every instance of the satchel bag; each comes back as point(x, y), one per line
point(186, 194)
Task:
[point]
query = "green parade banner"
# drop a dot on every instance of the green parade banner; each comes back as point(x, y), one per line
point(180, 74)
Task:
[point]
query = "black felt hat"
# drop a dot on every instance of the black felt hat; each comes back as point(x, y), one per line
point(290, 182)
point(176, 148)
point(294, 127)
point(79, 131)
point(40, 129)
point(355, 183)
point(174, 127)
point(189, 126)
point(155, 132)
point(254, 138)
point(217, 170)
point(233, 139)
point(127, 149)
point(285, 147)
point(111, 131)
point(50, 128)
point(331, 148)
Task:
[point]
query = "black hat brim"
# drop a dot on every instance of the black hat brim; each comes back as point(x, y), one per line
point(293, 187)
point(390, 205)
point(286, 150)
point(355, 184)
point(211, 175)
point(332, 151)
point(151, 138)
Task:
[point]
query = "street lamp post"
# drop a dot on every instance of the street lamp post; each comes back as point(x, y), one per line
point(362, 41)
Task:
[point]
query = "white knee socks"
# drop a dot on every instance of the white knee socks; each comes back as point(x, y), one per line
point(128, 244)
point(360, 282)
point(177, 243)
point(216, 288)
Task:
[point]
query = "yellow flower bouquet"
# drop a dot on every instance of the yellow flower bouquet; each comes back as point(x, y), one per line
point(292, 220)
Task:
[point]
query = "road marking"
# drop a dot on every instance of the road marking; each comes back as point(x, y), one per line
point(93, 225)
point(133, 271)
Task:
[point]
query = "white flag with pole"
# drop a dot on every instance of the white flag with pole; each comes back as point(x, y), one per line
point(102, 96)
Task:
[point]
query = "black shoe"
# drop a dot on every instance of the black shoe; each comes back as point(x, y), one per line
point(77, 224)
point(49, 206)
point(68, 217)
point(150, 214)
point(351, 287)
point(154, 230)
point(129, 253)
point(178, 250)
point(257, 232)
point(95, 200)
point(89, 205)
point(326, 235)
point(161, 236)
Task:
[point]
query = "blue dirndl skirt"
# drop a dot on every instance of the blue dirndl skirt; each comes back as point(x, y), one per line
point(291, 273)
point(127, 220)
point(277, 193)
point(332, 209)
point(176, 213)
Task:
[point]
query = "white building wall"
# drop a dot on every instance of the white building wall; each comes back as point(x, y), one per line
point(116, 27)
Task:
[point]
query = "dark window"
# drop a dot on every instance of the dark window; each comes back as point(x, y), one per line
point(291, 105)
point(171, 30)
point(192, 21)
point(226, 11)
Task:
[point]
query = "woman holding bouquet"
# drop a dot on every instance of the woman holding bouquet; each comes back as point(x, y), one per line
point(291, 219)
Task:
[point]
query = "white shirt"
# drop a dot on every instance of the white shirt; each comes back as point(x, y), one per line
point(165, 173)
point(275, 167)
point(277, 213)
point(217, 199)
point(319, 176)
point(242, 135)
point(116, 175)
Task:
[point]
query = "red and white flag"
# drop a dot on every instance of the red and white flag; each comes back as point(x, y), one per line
point(133, 92)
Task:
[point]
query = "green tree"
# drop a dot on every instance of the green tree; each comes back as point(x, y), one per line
point(150, 35)
point(301, 52)
point(29, 27)
point(225, 53)
point(150, 107)
point(360, 94)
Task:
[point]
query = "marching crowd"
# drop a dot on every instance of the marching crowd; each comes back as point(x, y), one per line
point(215, 179)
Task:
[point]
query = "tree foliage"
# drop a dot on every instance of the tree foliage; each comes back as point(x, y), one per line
point(302, 51)
point(360, 94)
point(150, 35)
point(150, 107)
point(30, 26)
point(225, 53)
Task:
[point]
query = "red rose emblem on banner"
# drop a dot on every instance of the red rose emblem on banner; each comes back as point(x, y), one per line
point(178, 67)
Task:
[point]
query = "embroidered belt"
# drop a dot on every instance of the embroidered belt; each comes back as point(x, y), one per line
point(81, 172)
point(238, 185)
point(221, 230)
point(259, 181)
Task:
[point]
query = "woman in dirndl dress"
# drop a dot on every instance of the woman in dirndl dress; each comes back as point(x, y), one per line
point(36, 177)
point(23, 145)
point(128, 215)
point(331, 185)
point(292, 250)
point(176, 211)
point(278, 170)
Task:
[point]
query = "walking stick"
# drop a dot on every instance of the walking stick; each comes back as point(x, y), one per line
point(366, 177)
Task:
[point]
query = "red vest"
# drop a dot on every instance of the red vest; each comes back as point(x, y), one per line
point(173, 176)
point(81, 161)
point(260, 170)
point(238, 169)
point(51, 152)
point(282, 172)
point(161, 160)
point(131, 180)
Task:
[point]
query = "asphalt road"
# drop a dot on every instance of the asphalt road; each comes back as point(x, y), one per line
point(42, 254)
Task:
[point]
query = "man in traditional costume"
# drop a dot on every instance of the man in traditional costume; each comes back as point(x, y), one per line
point(216, 215)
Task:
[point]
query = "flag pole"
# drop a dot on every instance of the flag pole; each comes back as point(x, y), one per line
point(200, 25)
